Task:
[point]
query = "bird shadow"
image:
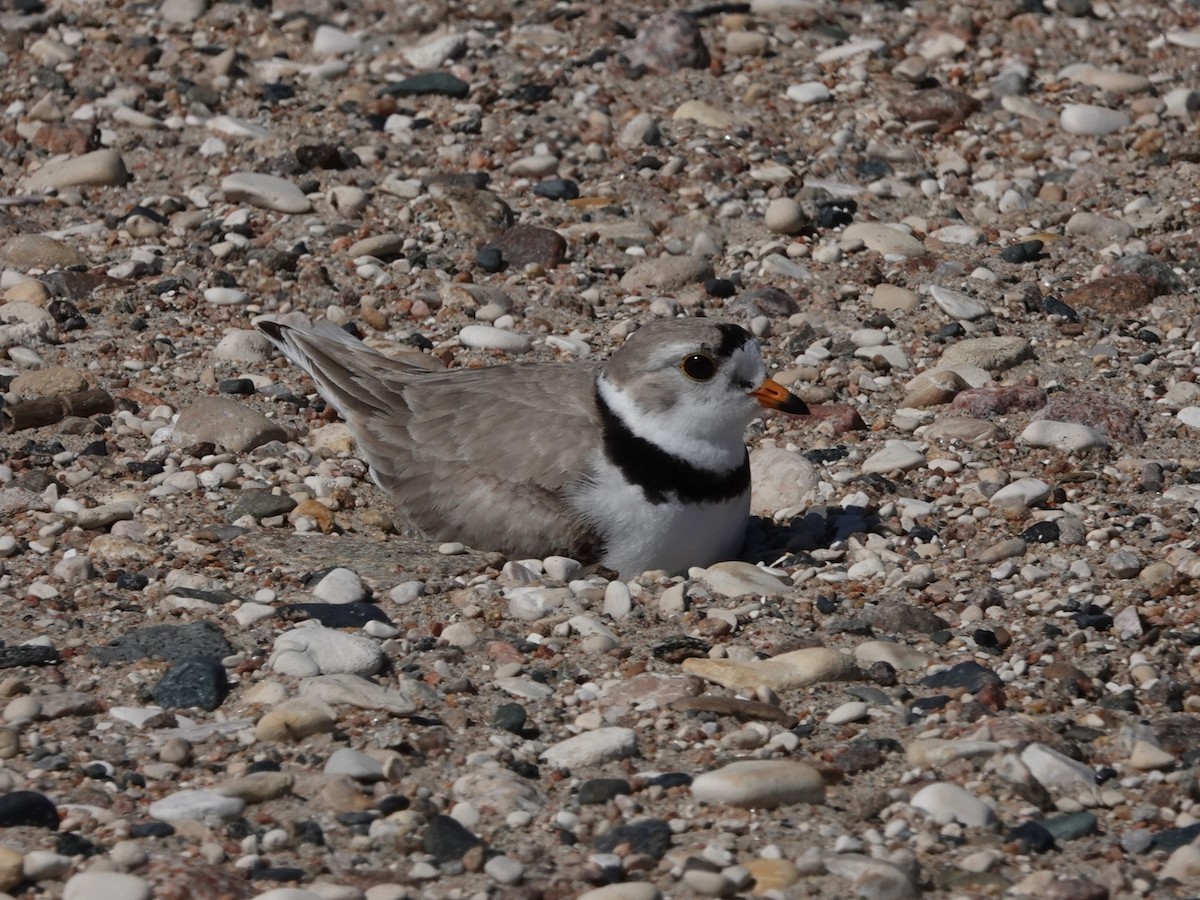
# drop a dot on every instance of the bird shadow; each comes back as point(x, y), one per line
point(791, 543)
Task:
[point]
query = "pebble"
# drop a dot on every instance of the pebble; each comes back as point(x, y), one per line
point(760, 784)
point(666, 274)
point(736, 579)
point(265, 192)
point(896, 456)
point(324, 651)
point(340, 585)
point(785, 216)
point(591, 748)
point(196, 805)
point(958, 305)
point(225, 423)
point(100, 167)
point(780, 480)
point(485, 337)
point(994, 354)
point(436, 49)
point(1066, 437)
point(795, 669)
point(108, 886)
point(29, 808)
point(528, 245)
point(1082, 118)
point(39, 251)
point(296, 719)
point(242, 346)
point(809, 92)
point(629, 890)
point(947, 802)
point(886, 239)
point(355, 764)
point(192, 682)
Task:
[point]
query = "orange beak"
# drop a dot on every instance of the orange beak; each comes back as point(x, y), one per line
point(773, 395)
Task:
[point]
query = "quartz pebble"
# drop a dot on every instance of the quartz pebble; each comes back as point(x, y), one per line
point(762, 784)
point(265, 191)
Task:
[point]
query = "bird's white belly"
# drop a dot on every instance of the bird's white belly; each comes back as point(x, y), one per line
point(640, 535)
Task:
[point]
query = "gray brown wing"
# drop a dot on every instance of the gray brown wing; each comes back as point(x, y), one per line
point(484, 456)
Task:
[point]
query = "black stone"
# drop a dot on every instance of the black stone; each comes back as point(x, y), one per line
point(1041, 533)
point(392, 803)
point(1173, 838)
point(671, 779)
point(719, 287)
point(151, 830)
point(835, 213)
point(336, 615)
point(29, 808)
point(680, 648)
point(1025, 251)
point(309, 832)
point(490, 259)
point(949, 331)
point(71, 843)
point(95, 448)
point(447, 840)
point(28, 655)
point(262, 505)
point(264, 765)
point(826, 605)
point(557, 189)
point(1072, 826)
point(1032, 837)
point(277, 873)
point(827, 455)
point(170, 642)
point(601, 790)
point(199, 681)
point(1052, 306)
point(441, 83)
point(651, 837)
point(243, 386)
point(217, 598)
point(985, 638)
point(923, 705)
point(324, 156)
point(510, 717)
point(967, 676)
point(1092, 617)
point(145, 469)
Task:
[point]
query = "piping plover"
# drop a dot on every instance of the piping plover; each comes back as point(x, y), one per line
point(637, 463)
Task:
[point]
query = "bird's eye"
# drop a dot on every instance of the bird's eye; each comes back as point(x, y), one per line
point(699, 366)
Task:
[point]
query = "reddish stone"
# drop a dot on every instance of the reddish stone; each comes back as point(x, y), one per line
point(524, 245)
point(1075, 889)
point(843, 416)
point(56, 138)
point(1112, 419)
point(989, 402)
point(948, 107)
point(1116, 294)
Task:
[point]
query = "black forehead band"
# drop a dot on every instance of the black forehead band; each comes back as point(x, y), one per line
point(733, 337)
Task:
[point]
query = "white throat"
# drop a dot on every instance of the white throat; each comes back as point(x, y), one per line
point(706, 438)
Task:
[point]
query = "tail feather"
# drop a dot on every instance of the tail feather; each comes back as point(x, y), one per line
point(347, 373)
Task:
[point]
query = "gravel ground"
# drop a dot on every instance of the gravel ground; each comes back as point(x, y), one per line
point(963, 665)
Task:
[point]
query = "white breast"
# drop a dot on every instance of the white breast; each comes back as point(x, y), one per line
point(639, 535)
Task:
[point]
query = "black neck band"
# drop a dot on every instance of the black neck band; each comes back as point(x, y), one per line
point(662, 475)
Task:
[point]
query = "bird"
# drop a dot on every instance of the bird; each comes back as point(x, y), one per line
point(635, 463)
